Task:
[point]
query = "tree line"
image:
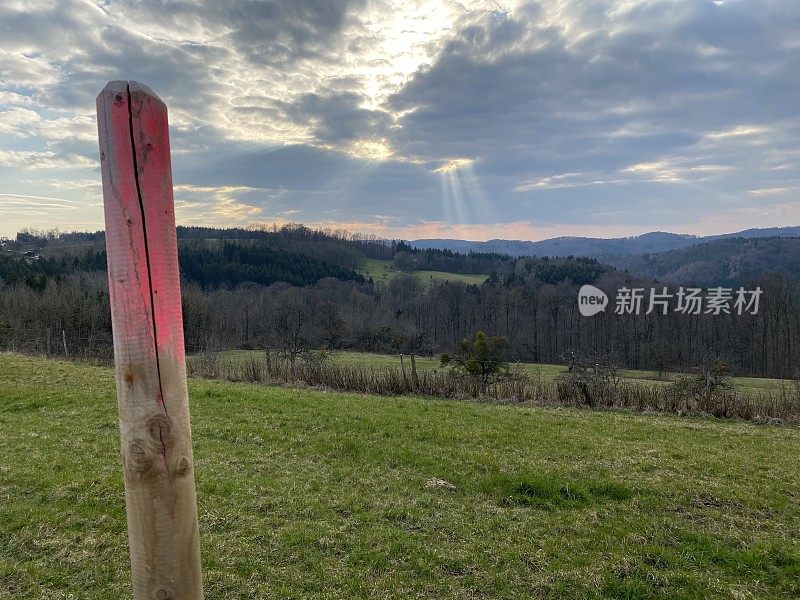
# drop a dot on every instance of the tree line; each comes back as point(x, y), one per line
point(295, 292)
point(540, 321)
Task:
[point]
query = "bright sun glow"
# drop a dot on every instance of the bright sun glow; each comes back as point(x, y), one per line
point(371, 149)
point(454, 164)
point(401, 40)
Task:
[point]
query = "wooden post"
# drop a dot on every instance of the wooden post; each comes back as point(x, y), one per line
point(148, 343)
point(403, 369)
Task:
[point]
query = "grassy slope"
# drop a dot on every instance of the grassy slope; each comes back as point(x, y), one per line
point(383, 270)
point(310, 494)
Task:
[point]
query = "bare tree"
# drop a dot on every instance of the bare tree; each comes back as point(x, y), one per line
point(290, 331)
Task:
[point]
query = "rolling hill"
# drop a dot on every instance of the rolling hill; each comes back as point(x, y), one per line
point(656, 241)
point(726, 261)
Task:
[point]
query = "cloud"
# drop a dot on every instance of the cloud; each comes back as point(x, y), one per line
point(739, 131)
point(559, 102)
point(46, 211)
point(453, 164)
point(634, 115)
point(192, 205)
point(42, 160)
point(565, 82)
point(339, 120)
point(774, 191)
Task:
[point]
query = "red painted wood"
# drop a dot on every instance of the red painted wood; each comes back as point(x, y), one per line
point(148, 343)
point(155, 182)
point(127, 266)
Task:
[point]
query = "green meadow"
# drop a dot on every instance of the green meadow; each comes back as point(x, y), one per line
point(384, 270)
point(310, 494)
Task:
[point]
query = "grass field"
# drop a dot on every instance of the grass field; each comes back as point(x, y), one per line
point(383, 270)
point(304, 494)
point(545, 371)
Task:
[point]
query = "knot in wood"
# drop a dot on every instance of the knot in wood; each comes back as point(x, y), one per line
point(163, 594)
point(161, 430)
point(139, 458)
point(182, 468)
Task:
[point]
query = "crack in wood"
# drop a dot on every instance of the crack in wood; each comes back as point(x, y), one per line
point(146, 251)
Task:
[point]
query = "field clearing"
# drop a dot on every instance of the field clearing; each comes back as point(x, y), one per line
point(310, 494)
point(425, 276)
point(547, 372)
point(383, 270)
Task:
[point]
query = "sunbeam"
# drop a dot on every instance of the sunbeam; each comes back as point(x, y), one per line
point(463, 199)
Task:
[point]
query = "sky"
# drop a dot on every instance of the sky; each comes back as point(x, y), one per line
point(416, 118)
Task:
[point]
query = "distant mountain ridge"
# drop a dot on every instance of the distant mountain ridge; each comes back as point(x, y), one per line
point(722, 261)
point(647, 243)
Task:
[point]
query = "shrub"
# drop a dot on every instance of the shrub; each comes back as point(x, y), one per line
point(484, 359)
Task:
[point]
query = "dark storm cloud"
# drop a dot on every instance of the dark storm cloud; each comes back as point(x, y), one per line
point(336, 116)
point(677, 69)
point(313, 182)
point(87, 46)
point(282, 32)
point(656, 86)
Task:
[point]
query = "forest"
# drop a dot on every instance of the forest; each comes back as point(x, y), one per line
point(300, 289)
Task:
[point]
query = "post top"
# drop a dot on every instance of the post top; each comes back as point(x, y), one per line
point(121, 86)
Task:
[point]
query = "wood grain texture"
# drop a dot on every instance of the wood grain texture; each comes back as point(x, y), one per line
point(149, 356)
